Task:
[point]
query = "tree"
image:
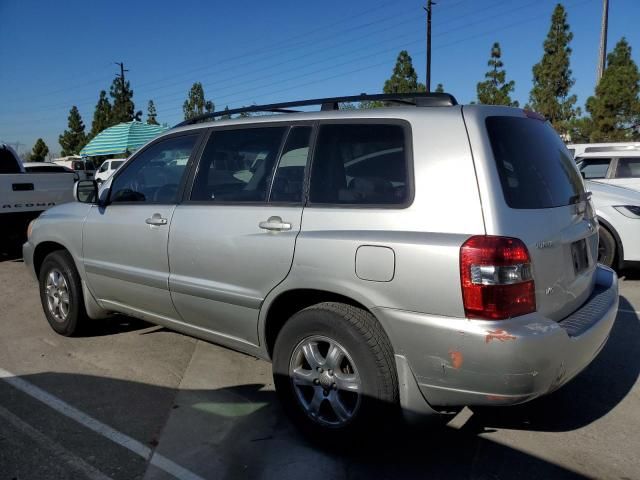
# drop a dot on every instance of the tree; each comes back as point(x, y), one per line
point(73, 139)
point(39, 152)
point(101, 115)
point(615, 107)
point(404, 78)
point(552, 76)
point(123, 107)
point(495, 90)
point(195, 104)
point(439, 88)
point(151, 113)
point(226, 116)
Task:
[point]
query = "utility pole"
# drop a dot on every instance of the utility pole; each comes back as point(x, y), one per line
point(603, 40)
point(428, 8)
point(121, 75)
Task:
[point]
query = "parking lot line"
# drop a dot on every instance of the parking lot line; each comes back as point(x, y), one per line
point(100, 428)
point(58, 450)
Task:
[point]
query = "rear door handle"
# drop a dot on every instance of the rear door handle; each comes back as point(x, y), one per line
point(156, 219)
point(275, 224)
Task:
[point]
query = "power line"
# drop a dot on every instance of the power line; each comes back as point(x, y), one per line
point(243, 100)
point(339, 44)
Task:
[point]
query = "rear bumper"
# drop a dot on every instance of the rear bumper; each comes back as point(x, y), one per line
point(460, 362)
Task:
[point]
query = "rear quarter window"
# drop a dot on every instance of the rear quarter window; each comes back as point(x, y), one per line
point(535, 168)
point(628, 167)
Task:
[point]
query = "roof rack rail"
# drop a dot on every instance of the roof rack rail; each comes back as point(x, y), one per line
point(418, 99)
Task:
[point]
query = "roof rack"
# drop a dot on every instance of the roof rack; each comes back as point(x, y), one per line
point(418, 99)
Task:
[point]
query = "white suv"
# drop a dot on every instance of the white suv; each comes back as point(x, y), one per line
point(616, 167)
point(107, 168)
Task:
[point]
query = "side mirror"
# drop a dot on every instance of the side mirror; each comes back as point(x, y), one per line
point(86, 191)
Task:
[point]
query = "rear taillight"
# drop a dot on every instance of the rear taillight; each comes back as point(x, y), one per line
point(496, 278)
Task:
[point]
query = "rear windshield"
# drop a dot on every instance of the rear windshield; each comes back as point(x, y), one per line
point(536, 169)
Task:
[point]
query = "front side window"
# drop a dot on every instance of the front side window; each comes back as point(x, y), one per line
point(360, 164)
point(104, 167)
point(237, 165)
point(628, 167)
point(155, 174)
point(594, 168)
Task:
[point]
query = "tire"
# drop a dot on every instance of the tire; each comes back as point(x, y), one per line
point(364, 360)
point(606, 247)
point(59, 277)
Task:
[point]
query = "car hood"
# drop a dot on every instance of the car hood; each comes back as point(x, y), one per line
point(604, 195)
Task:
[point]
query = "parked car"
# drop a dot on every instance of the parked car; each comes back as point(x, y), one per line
point(48, 167)
point(416, 258)
point(618, 211)
point(577, 149)
point(83, 166)
point(24, 193)
point(107, 168)
point(620, 168)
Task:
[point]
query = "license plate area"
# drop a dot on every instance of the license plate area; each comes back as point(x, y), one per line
point(579, 256)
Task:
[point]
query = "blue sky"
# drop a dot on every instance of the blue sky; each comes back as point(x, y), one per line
point(58, 54)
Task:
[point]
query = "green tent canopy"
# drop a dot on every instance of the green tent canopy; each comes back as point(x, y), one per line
point(122, 138)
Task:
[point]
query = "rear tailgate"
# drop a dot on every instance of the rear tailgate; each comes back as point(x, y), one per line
point(32, 192)
point(531, 190)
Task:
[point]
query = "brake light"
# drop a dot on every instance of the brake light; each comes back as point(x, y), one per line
point(496, 278)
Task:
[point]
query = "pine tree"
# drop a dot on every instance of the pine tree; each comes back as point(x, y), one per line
point(439, 88)
point(73, 139)
point(151, 113)
point(404, 78)
point(39, 152)
point(495, 90)
point(615, 108)
point(123, 109)
point(101, 115)
point(552, 76)
point(195, 104)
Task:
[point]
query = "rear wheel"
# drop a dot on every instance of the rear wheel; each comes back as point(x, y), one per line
point(334, 371)
point(606, 247)
point(61, 293)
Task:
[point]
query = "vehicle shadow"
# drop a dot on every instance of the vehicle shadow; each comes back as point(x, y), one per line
point(241, 432)
point(113, 325)
point(10, 254)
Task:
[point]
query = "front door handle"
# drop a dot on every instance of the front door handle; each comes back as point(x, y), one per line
point(156, 220)
point(275, 224)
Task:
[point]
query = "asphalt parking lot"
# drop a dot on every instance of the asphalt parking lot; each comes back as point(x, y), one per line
point(132, 400)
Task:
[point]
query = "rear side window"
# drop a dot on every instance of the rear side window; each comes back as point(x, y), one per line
point(8, 164)
point(237, 165)
point(534, 165)
point(628, 167)
point(594, 168)
point(360, 164)
point(46, 169)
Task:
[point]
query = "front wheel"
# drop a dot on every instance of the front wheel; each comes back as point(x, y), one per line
point(606, 247)
point(334, 371)
point(61, 293)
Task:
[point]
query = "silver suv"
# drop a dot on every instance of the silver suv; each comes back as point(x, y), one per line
point(415, 258)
